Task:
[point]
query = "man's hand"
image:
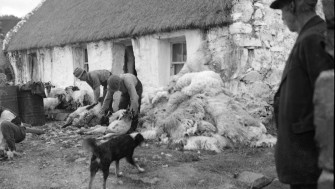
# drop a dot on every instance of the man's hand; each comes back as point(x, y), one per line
point(102, 112)
point(134, 107)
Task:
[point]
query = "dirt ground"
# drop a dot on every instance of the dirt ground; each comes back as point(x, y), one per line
point(56, 160)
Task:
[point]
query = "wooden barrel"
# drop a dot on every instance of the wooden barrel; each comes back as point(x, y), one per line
point(8, 99)
point(31, 108)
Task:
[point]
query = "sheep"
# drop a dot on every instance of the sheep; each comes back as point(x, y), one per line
point(120, 123)
point(54, 103)
point(52, 92)
point(79, 97)
point(50, 103)
point(83, 115)
point(120, 126)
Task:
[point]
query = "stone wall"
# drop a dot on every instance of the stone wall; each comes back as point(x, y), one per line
point(251, 53)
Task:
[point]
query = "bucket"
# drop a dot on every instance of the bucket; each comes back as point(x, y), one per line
point(31, 108)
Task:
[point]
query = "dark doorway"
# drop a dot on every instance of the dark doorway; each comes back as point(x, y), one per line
point(33, 67)
point(129, 61)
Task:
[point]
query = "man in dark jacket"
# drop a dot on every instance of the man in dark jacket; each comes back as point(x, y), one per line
point(296, 151)
point(94, 79)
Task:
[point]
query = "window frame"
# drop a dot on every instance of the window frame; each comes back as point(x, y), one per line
point(86, 62)
point(173, 64)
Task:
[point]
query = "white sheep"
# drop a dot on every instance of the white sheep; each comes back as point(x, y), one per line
point(79, 97)
point(50, 103)
point(119, 127)
point(83, 115)
point(120, 123)
point(53, 92)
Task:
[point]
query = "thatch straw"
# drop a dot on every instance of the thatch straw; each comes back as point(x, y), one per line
point(61, 22)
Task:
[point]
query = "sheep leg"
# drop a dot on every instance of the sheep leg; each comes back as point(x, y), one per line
point(66, 125)
point(106, 136)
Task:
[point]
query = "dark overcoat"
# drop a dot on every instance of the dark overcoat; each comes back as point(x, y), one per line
point(296, 151)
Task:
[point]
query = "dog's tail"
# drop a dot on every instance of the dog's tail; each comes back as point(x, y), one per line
point(90, 145)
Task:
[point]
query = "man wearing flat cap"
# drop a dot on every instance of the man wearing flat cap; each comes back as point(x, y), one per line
point(296, 150)
point(95, 79)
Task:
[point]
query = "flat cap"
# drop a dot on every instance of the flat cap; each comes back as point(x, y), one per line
point(78, 72)
point(278, 4)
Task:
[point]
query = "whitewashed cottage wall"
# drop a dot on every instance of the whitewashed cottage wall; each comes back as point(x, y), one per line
point(153, 55)
point(100, 55)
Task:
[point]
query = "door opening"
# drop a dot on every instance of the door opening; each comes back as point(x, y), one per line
point(129, 61)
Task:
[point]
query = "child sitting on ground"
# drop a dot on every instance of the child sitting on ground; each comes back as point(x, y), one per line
point(11, 132)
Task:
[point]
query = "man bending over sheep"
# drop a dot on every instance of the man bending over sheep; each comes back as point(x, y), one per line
point(94, 79)
point(131, 88)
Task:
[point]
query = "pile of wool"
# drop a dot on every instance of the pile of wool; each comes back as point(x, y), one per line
point(197, 111)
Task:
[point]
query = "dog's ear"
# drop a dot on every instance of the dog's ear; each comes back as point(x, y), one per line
point(139, 139)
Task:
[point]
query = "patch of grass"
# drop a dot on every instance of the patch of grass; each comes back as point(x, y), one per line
point(239, 160)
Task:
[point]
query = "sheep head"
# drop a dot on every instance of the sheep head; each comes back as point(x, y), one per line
point(48, 86)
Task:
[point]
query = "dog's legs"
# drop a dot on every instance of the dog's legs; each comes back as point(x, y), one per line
point(117, 172)
point(94, 167)
point(131, 161)
point(91, 179)
point(105, 171)
point(10, 154)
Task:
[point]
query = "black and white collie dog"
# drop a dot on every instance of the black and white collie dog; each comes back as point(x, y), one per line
point(114, 149)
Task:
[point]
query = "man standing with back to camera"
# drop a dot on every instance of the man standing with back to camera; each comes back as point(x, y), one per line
point(296, 151)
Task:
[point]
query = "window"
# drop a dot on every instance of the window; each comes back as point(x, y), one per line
point(86, 66)
point(179, 57)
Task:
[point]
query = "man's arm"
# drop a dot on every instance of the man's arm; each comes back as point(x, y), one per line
point(107, 100)
point(96, 94)
point(315, 57)
point(94, 82)
point(315, 61)
point(130, 85)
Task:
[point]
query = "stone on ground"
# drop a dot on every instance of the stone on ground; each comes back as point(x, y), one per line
point(255, 180)
point(276, 184)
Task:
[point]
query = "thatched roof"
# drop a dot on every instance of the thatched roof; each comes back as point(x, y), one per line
point(61, 22)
